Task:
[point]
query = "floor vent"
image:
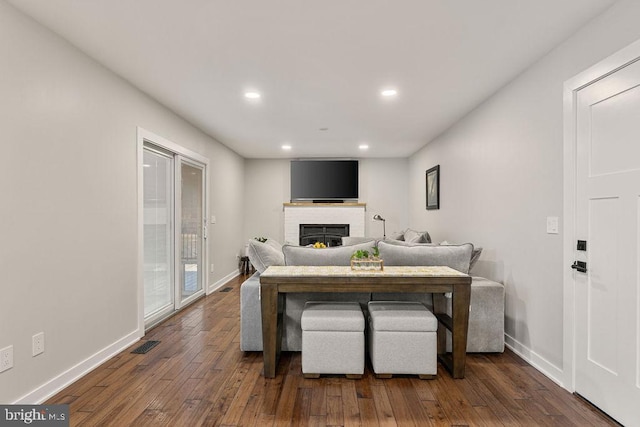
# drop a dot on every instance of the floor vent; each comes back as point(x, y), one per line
point(144, 348)
point(226, 289)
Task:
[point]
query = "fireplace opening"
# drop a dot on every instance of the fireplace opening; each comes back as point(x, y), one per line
point(329, 234)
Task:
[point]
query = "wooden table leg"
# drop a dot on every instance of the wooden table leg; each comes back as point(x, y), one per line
point(270, 341)
point(439, 307)
point(460, 311)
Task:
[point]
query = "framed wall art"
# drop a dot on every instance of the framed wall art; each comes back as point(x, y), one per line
point(433, 188)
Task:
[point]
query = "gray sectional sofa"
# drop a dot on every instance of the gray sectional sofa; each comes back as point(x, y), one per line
point(486, 317)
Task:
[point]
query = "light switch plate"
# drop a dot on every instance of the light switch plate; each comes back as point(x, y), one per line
point(213, 219)
point(552, 225)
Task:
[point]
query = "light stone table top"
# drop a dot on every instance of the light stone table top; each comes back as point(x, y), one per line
point(346, 271)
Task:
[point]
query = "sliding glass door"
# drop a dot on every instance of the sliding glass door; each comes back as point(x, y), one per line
point(174, 231)
point(158, 233)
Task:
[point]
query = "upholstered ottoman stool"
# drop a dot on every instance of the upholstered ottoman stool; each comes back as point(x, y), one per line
point(332, 339)
point(402, 339)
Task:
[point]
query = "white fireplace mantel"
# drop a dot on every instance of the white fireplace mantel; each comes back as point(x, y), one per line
point(322, 213)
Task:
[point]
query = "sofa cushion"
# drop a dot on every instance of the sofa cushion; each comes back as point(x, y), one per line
point(413, 236)
point(474, 255)
point(337, 255)
point(263, 255)
point(403, 243)
point(457, 257)
point(351, 240)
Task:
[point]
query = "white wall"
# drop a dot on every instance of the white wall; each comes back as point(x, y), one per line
point(267, 187)
point(382, 186)
point(501, 176)
point(68, 245)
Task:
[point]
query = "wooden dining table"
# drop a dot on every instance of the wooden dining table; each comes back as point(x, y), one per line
point(277, 281)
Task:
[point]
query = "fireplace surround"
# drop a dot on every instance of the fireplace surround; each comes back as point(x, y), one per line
point(295, 214)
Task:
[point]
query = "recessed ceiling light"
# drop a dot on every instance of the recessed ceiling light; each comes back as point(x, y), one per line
point(146, 165)
point(389, 92)
point(363, 147)
point(323, 129)
point(286, 147)
point(252, 95)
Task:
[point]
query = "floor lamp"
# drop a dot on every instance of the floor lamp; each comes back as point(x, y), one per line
point(377, 217)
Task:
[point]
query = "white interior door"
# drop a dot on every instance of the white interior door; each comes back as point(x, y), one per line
point(607, 296)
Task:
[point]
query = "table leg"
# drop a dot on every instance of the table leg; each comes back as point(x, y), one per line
point(270, 341)
point(440, 307)
point(460, 311)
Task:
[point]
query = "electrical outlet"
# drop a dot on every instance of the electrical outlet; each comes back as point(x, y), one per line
point(37, 342)
point(6, 358)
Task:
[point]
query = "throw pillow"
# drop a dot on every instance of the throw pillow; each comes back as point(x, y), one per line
point(474, 255)
point(263, 255)
point(396, 235)
point(274, 244)
point(412, 236)
point(336, 255)
point(454, 256)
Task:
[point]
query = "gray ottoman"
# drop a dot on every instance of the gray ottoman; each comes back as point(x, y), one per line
point(402, 339)
point(332, 339)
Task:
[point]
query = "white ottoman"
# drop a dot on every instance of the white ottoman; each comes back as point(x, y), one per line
point(402, 339)
point(332, 339)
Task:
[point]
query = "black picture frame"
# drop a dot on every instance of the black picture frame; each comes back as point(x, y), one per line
point(433, 187)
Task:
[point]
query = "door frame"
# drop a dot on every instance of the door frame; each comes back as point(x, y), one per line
point(604, 68)
point(143, 136)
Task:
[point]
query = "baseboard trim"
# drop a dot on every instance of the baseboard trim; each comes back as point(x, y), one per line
point(54, 385)
point(547, 368)
point(221, 282)
point(72, 374)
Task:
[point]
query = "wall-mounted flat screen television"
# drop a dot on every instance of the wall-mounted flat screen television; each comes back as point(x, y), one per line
point(324, 180)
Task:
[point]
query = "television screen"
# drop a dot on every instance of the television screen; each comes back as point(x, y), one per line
point(324, 180)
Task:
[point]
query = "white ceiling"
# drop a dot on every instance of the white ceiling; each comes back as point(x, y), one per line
point(317, 64)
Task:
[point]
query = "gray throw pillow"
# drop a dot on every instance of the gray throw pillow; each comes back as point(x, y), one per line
point(263, 255)
point(413, 236)
point(337, 255)
point(274, 244)
point(474, 257)
point(396, 235)
point(454, 256)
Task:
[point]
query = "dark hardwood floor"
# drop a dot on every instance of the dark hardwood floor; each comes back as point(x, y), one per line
point(197, 376)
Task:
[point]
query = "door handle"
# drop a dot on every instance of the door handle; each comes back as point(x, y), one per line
point(580, 266)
